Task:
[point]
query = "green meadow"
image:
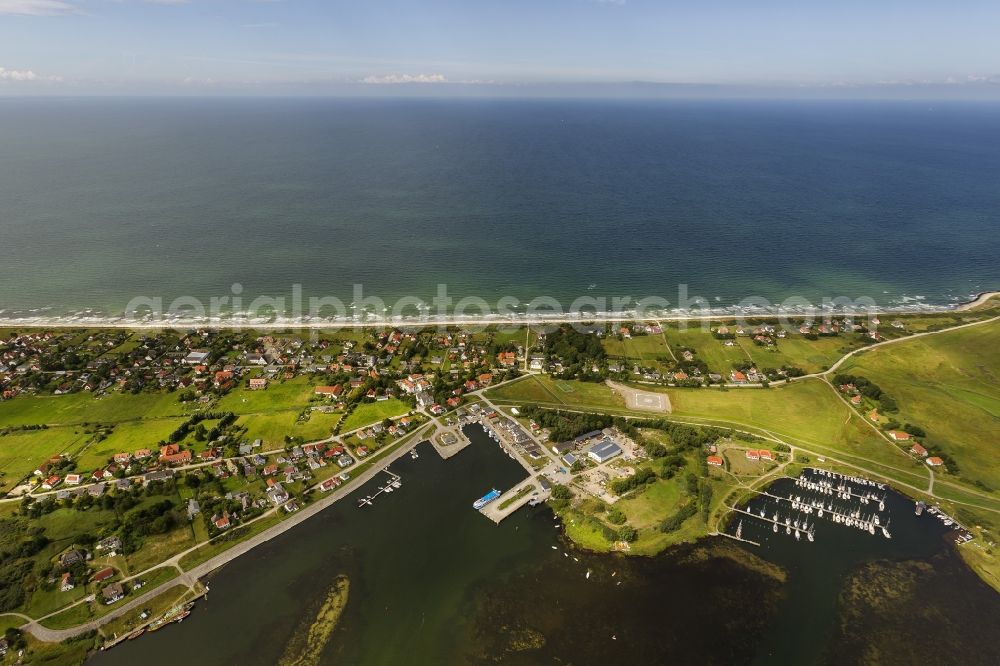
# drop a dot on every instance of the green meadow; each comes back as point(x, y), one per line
point(948, 384)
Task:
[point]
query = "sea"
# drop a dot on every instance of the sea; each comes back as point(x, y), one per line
point(107, 200)
point(432, 581)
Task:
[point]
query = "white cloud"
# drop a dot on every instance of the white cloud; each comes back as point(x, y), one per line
point(36, 7)
point(18, 75)
point(22, 75)
point(406, 78)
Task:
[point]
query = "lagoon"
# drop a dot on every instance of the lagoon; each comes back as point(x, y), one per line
point(433, 582)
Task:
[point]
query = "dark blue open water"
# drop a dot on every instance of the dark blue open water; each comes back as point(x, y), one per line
point(105, 199)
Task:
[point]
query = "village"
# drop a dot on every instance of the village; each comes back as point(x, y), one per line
point(135, 457)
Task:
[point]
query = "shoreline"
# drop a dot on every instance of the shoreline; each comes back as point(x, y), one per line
point(243, 320)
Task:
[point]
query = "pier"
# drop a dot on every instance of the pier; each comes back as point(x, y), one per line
point(449, 441)
point(789, 524)
point(529, 491)
point(395, 482)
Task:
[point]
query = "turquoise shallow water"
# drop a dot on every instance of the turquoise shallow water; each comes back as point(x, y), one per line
point(104, 200)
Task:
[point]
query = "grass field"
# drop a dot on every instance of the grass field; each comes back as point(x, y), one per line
point(544, 390)
point(293, 394)
point(272, 427)
point(77, 408)
point(719, 358)
point(810, 355)
point(373, 412)
point(22, 452)
point(807, 413)
point(129, 437)
point(949, 384)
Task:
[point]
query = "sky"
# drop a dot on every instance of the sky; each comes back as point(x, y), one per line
point(275, 47)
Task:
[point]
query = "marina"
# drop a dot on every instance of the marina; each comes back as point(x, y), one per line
point(822, 495)
point(394, 483)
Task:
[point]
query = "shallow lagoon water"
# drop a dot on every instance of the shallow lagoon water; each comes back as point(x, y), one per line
point(433, 582)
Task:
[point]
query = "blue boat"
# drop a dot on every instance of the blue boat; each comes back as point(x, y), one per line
point(486, 499)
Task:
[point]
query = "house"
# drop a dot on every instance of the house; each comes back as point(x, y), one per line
point(738, 377)
point(569, 459)
point(193, 508)
point(715, 461)
point(916, 449)
point(66, 582)
point(856, 400)
point(181, 458)
point(604, 451)
point(73, 479)
point(934, 461)
point(899, 436)
point(329, 484)
point(111, 544)
point(123, 458)
point(158, 475)
point(329, 391)
point(197, 357)
point(257, 383)
point(221, 522)
point(223, 376)
point(71, 557)
point(764, 454)
point(51, 482)
point(142, 454)
point(753, 454)
point(113, 593)
point(270, 470)
point(103, 575)
point(507, 359)
point(563, 447)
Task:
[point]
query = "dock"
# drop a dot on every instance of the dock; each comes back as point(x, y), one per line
point(493, 510)
point(449, 441)
point(395, 482)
